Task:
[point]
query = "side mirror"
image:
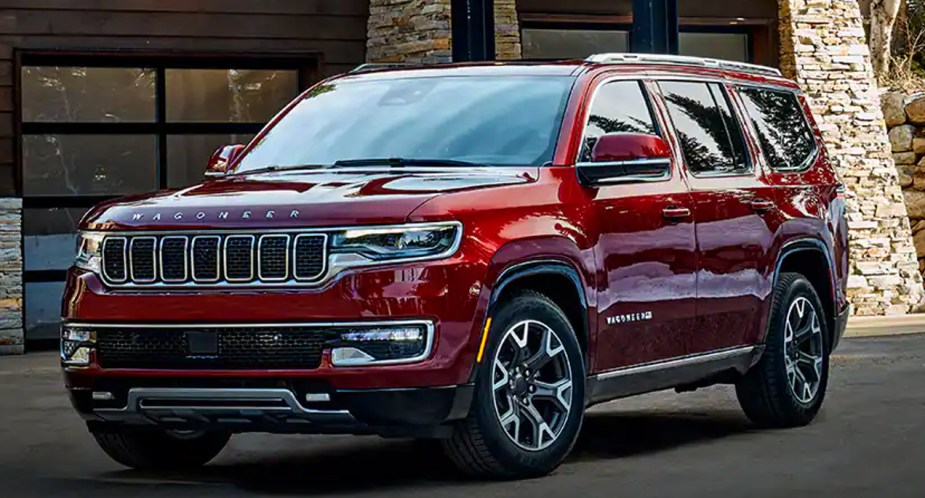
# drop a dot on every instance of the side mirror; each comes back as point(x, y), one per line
point(223, 157)
point(626, 157)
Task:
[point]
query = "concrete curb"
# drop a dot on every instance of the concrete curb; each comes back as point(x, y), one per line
point(877, 326)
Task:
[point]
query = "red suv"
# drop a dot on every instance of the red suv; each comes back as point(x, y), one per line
point(474, 253)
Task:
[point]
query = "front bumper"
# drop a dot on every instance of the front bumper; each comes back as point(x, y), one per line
point(422, 412)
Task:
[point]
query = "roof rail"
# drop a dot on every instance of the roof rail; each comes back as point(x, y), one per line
point(372, 66)
point(682, 60)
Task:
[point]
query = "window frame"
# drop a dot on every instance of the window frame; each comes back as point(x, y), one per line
point(813, 155)
point(750, 169)
point(649, 99)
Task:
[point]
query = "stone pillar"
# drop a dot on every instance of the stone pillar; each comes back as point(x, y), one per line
point(507, 31)
point(11, 324)
point(824, 48)
point(409, 31)
point(420, 31)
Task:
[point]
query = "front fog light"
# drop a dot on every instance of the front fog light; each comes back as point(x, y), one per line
point(382, 345)
point(76, 345)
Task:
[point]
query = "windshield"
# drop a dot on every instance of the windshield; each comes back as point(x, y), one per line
point(493, 120)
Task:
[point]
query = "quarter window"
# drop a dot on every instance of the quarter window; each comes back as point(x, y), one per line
point(710, 136)
point(784, 134)
point(618, 107)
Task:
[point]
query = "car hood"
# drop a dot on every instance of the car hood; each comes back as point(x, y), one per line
point(300, 198)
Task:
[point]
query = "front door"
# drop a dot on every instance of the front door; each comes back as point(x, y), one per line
point(646, 252)
point(732, 206)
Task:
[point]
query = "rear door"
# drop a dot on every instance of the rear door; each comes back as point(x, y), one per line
point(646, 251)
point(732, 206)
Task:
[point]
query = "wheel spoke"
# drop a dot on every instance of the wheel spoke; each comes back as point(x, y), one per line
point(505, 378)
point(814, 364)
point(559, 393)
point(511, 419)
point(541, 430)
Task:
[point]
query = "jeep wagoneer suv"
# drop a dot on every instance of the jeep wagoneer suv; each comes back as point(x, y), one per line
point(474, 253)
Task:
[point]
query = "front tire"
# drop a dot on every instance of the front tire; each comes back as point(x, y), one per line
point(161, 450)
point(787, 386)
point(529, 394)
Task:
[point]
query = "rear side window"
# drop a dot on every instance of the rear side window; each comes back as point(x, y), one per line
point(710, 135)
point(618, 107)
point(784, 134)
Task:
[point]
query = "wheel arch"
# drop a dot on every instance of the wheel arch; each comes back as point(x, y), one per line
point(555, 279)
point(810, 257)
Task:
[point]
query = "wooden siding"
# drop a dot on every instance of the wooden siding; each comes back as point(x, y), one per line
point(334, 28)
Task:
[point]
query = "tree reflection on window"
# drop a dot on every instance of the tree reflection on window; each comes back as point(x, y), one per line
point(619, 107)
point(784, 135)
point(710, 136)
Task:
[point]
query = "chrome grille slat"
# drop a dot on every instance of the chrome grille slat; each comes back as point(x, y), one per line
point(173, 258)
point(197, 259)
point(206, 258)
point(273, 258)
point(238, 258)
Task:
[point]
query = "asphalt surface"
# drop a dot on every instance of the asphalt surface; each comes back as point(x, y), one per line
point(868, 441)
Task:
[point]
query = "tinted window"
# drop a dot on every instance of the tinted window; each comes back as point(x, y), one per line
point(496, 120)
point(618, 107)
point(710, 135)
point(784, 134)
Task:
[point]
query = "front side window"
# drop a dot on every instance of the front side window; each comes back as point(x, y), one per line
point(785, 137)
point(710, 136)
point(618, 107)
point(485, 120)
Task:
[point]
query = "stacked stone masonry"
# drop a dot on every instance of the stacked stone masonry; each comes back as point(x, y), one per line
point(420, 31)
point(905, 117)
point(824, 48)
point(11, 326)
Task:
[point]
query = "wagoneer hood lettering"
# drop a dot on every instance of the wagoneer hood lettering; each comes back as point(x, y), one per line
point(297, 199)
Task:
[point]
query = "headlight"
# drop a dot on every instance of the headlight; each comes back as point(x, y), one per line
point(89, 251)
point(402, 242)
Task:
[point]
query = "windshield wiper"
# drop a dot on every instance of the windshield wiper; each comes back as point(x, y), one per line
point(275, 167)
point(398, 162)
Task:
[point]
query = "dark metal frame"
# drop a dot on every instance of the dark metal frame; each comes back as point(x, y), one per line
point(473, 26)
point(309, 66)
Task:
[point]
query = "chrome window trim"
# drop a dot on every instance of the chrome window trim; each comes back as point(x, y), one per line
point(131, 265)
point(218, 259)
point(429, 328)
point(185, 258)
point(288, 239)
point(253, 239)
point(105, 276)
point(324, 257)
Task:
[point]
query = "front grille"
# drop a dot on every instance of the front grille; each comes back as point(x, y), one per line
point(235, 347)
point(202, 260)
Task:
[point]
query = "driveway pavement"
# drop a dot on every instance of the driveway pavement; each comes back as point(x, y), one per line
point(868, 441)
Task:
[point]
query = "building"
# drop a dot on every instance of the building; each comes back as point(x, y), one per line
point(100, 98)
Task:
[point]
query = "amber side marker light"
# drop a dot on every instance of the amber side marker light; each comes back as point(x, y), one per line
point(478, 359)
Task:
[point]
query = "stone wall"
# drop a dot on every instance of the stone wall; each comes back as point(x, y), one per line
point(11, 326)
point(507, 31)
point(905, 117)
point(824, 48)
point(420, 31)
point(409, 31)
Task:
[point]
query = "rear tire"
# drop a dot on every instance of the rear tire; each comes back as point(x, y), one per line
point(523, 422)
point(161, 450)
point(787, 386)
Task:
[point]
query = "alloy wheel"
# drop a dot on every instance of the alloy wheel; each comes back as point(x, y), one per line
point(532, 385)
point(803, 350)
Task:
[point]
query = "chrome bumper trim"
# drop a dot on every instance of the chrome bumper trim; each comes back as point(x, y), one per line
point(218, 405)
